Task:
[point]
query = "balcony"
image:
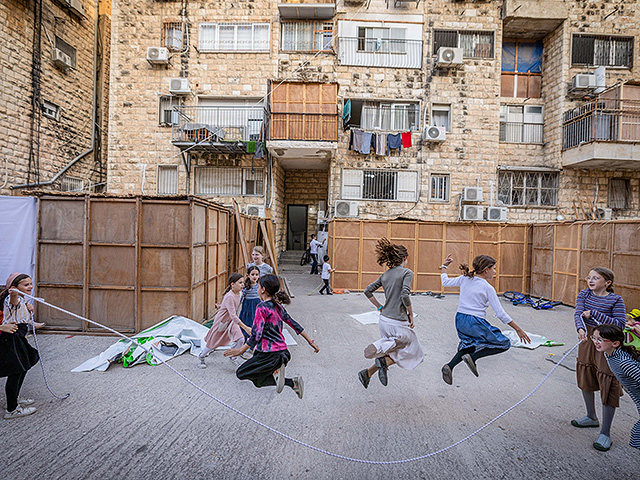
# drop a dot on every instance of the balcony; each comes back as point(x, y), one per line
point(603, 134)
point(217, 129)
point(306, 9)
point(532, 18)
point(380, 52)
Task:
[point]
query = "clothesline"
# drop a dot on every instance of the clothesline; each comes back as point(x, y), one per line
point(381, 143)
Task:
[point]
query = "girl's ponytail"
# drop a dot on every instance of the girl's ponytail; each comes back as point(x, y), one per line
point(282, 298)
point(233, 278)
point(480, 264)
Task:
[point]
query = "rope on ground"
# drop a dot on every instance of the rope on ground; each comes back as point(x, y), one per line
point(288, 437)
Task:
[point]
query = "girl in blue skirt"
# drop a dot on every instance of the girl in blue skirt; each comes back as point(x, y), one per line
point(478, 338)
point(250, 298)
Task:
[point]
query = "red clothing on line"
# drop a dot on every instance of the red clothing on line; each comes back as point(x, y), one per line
point(406, 139)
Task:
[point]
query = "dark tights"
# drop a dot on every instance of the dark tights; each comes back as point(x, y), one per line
point(12, 389)
point(485, 352)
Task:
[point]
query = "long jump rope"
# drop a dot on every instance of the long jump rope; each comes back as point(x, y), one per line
point(258, 422)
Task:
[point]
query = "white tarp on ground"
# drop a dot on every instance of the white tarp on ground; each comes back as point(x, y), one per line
point(370, 318)
point(536, 340)
point(18, 219)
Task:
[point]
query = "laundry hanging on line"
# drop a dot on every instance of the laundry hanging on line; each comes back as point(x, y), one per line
point(379, 143)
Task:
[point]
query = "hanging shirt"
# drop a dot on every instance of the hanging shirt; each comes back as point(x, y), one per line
point(406, 139)
point(394, 140)
point(381, 143)
point(366, 143)
point(357, 140)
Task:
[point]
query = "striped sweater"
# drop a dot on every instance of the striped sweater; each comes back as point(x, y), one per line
point(627, 371)
point(607, 309)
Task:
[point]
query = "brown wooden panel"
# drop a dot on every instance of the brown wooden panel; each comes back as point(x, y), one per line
point(213, 261)
point(165, 267)
point(369, 259)
point(431, 231)
point(197, 303)
point(60, 264)
point(223, 222)
point(330, 129)
point(165, 223)
point(488, 249)
point(535, 86)
point(567, 236)
point(541, 284)
point(158, 306)
point(295, 97)
point(221, 285)
point(198, 224)
point(626, 269)
point(67, 298)
point(630, 295)
point(222, 258)
point(425, 283)
point(626, 237)
point(198, 265)
point(369, 278)
point(596, 236)
point(523, 86)
point(588, 260)
point(347, 228)
point(375, 230)
point(112, 266)
point(402, 231)
point(564, 289)
point(61, 219)
point(347, 252)
point(507, 83)
point(430, 256)
point(113, 221)
point(511, 259)
point(542, 236)
point(486, 233)
point(509, 284)
point(566, 261)
point(113, 308)
point(345, 280)
point(213, 225)
point(513, 233)
point(458, 233)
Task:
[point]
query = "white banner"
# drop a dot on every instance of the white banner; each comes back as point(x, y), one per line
point(18, 231)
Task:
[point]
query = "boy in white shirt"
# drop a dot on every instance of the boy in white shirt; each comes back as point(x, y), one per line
point(326, 275)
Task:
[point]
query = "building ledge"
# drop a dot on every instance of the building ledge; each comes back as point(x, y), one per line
point(532, 18)
point(603, 156)
point(306, 9)
point(300, 154)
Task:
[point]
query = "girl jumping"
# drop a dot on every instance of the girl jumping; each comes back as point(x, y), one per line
point(250, 299)
point(266, 367)
point(597, 305)
point(398, 342)
point(477, 337)
point(226, 324)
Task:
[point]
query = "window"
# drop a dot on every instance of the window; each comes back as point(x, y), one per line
point(385, 116)
point(383, 40)
point(521, 123)
point(535, 188)
point(380, 185)
point(619, 193)
point(230, 37)
point(307, 36)
point(71, 184)
point(474, 44)
point(602, 51)
point(68, 49)
point(441, 115)
point(167, 180)
point(50, 110)
point(229, 181)
point(173, 35)
point(439, 187)
point(166, 115)
point(521, 69)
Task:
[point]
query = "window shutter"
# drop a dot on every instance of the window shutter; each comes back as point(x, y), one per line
point(442, 38)
point(407, 186)
point(352, 184)
point(582, 51)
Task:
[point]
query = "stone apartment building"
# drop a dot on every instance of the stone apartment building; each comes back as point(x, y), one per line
point(54, 80)
point(274, 103)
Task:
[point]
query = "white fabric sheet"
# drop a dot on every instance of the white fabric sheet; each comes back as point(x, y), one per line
point(536, 340)
point(18, 223)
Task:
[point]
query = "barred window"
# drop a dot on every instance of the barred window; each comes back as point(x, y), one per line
point(67, 49)
point(475, 44)
point(385, 116)
point(167, 116)
point(167, 180)
point(307, 36)
point(619, 193)
point(602, 51)
point(521, 123)
point(441, 115)
point(173, 35)
point(229, 37)
point(229, 181)
point(71, 184)
point(439, 187)
point(528, 188)
point(379, 184)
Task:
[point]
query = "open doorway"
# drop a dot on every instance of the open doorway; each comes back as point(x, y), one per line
point(296, 227)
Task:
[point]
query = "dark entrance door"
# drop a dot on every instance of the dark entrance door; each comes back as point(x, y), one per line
point(296, 227)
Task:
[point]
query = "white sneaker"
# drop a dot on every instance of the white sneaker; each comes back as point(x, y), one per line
point(298, 386)
point(19, 412)
point(278, 376)
point(25, 402)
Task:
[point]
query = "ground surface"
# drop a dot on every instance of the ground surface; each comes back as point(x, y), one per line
point(147, 423)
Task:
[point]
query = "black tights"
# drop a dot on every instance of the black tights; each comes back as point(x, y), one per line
point(485, 352)
point(12, 389)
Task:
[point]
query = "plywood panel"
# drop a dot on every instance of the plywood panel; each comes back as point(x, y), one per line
point(630, 295)
point(369, 278)
point(375, 230)
point(60, 264)
point(158, 306)
point(197, 303)
point(564, 289)
point(345, 280)
point(67, 298)
point(541, 284)
point(486, 233)
point(431, 231)
point(426, 283)
point(369, 261)
point(596, 236)
point(198, 224)
point(458, 233)
point(112, 266)
point(543, 236)
point(346, 228)
point(430, 256)
point(347, 252)
point(165, 267)
point(513, 233)
point(511, 259)
point(61, 219)
point(198, 264)
point(566, 261)
point(165, 223)
point(212, 298)
point(627, 237)
point(568, 236)
point(213, 225)
point(113, 308)
point(627, 269)
point(213, 261)
point(509, 284)
point(112, 221)
point(402, 231)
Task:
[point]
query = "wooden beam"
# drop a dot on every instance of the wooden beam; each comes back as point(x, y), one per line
point(241, 237)
point(267, 242)
point(271, 239)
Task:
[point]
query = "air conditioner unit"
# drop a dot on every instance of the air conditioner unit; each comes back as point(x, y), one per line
point(179, 86)
point(76, 6)
point(435, 134)
point(61, 59)
point(584, 81)
point(472, 212)
point(158, 55)
point(605, 213)
point(472, 194)
point(449, 56)
point(344, 208)
point(497, 214)
point(255, 210)
point(321, 216)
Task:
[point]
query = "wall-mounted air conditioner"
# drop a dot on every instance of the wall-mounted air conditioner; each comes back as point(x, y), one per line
point(345, 208)
point(179, 86)
point(255, 210)
point(472, 194)
point(497, 214)
point(158, 55)
point(61, 59)
point(583, 81)
point(449, 56)
point(76, 7)
point(435, 134)
point(605, 213)
point(321, 216)
point(472, 212)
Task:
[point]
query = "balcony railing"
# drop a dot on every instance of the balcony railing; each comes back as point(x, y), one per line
point(304, 126)
point(519, 132)
point(380, 52)
point(217, 125)
point(604, 120)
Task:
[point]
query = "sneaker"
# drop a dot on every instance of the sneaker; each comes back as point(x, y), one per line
point(298, 386)
point(246, 355)
point(25, 402)
point(585, 422)
point(236, 361)
point(278, 376)
point(470, 363)
point(370, 351)
point(603, 443)
point(202, 364)
point(19, 412)
point(382, 370)
point(363, 376)
point(447, 374)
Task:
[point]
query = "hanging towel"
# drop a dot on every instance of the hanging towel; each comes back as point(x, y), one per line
point(351, 139)
point(357, 140)
point(406, 139)
point(251, 146)
point(394, 140)
point(381, 143)
point(366, 143)
point(259, 150)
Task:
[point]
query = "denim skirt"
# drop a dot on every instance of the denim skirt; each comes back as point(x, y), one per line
point(476, 332)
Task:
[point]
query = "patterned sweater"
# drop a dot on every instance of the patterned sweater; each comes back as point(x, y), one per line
point(607, 309)
point(266, 334)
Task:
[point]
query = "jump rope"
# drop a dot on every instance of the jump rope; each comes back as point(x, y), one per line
point(258, 422)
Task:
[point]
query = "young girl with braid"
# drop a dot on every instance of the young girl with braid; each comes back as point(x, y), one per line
point(477, 337)
point(398, 342)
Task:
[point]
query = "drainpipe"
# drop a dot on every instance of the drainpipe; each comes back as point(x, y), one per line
point(93, 123)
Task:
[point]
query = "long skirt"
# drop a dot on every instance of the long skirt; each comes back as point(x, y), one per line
point(477, 333)
point(399, 342)
point(593, 373)
point(248, 313)
point(259, 368)
point(16, 354)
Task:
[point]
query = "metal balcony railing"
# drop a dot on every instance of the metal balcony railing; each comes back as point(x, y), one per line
point(217, 124)
point(380, 52)
point(519, 132)
point(304, 126)
point(604, 120)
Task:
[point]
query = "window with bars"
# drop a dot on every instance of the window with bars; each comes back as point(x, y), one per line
point(441, 115)
point(385, 116)
point(380, 185)
point(173, 36)
point(230, 37)
point(604, 51)
point(71, 184)
point(439, 187)
point(528, 188)
point(66, 48)
point(229, 181)
point(521, 123)
point(167, 180)
point(383, 40)
point(619, 193)
point(307, 36)
point(475, 44)
point(166, 115)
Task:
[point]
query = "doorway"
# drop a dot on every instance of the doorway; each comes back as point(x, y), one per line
point(296, 227)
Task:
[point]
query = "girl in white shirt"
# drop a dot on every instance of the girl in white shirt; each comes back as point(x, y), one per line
point(477, 337)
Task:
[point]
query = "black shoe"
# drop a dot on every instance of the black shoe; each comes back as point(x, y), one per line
point(382, 370)
point(363, 376)
point(470, 363)
point(447, 374)
point(329, 293)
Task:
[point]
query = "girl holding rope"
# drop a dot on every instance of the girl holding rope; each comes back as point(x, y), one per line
point(477, 337)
